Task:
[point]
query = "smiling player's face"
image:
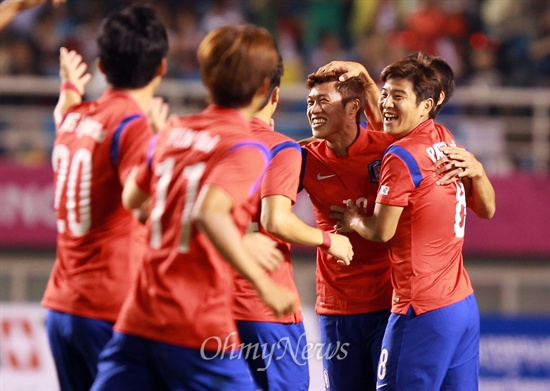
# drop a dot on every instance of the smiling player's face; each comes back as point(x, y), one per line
point(398, 106)
point(325, 111)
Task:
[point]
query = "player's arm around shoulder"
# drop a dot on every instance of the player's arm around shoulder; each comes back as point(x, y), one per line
point(460, 164)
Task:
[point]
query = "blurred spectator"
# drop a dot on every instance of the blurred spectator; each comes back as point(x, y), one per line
point(483, 61)
point(324, 18)
point(329, 47)
point(539, 49)
point(184, 41)
point(374, 32)
point(221, 13)
point(288, 40)
point(85, 27)
point(9, 9)
point(18, 55)
point(49, 35)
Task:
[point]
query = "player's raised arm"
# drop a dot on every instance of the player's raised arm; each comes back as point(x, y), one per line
point(74, 77)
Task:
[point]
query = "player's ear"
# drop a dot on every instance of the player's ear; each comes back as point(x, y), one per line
point(441, 98)
point(354, 106)
point(275, 95)
point(162, 68)
point(100, 66)
point(427, 105)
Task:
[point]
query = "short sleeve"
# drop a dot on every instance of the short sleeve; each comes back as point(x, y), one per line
point(282, 176)
point(132, 147)
point(396, 183)
point(240, 171)
point(143, 177)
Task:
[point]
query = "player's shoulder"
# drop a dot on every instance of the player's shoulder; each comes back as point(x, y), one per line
point(375, 135)
point(314, 146)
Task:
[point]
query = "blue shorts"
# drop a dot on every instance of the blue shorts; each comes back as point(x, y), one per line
point(276, 354)
point(438, 350)
point(138, 364)
point(351, 348)
point(76, 343)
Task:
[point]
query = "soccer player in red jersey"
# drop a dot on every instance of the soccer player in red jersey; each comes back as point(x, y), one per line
point(432, 338)
point(457, 162)
point(97, 144)
point(353, 302)
point(275, 348)
point(176, 329)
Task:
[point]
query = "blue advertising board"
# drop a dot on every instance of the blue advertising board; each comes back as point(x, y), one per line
point(515, 353)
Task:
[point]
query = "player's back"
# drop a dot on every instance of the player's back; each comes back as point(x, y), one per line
point(183, 273)
point(281, 179)
point(96, 146)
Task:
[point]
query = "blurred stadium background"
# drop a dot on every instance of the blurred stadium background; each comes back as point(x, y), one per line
point(500, 51)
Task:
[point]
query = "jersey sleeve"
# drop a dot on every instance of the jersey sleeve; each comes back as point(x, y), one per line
point(143, 177)
point(240, 171)
point(282, 176)
point(399, 176)
point(367, 126)
point(133, 142)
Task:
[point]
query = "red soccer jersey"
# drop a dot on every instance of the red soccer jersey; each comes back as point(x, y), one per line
point(183, 293)
point(281, 178)
point(97, 144)
point(426, 251)
point(364, 285)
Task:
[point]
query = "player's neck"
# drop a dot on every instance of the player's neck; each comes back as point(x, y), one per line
point(342, 140)
point(265, 115)
point(143, 96)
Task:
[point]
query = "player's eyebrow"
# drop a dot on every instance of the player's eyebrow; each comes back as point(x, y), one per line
point(321, 95)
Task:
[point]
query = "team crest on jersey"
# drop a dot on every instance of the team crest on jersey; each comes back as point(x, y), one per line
point(374, 171)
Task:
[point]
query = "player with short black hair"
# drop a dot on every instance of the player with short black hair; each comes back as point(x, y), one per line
point(97, 143)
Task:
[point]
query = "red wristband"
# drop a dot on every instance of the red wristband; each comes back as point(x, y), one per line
point(67, 85)
point(326, 241)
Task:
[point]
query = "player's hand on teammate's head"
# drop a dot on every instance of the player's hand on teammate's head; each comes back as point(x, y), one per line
point(351, 68)
point(73, 69)
point(341, 249)
point(158, 113)
point(263, 250)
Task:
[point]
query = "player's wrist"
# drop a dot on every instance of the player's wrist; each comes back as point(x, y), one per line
point(354, 223)
point(327, 241)
point(69, 85)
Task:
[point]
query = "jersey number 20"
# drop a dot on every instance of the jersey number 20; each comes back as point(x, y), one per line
point(68, 171)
